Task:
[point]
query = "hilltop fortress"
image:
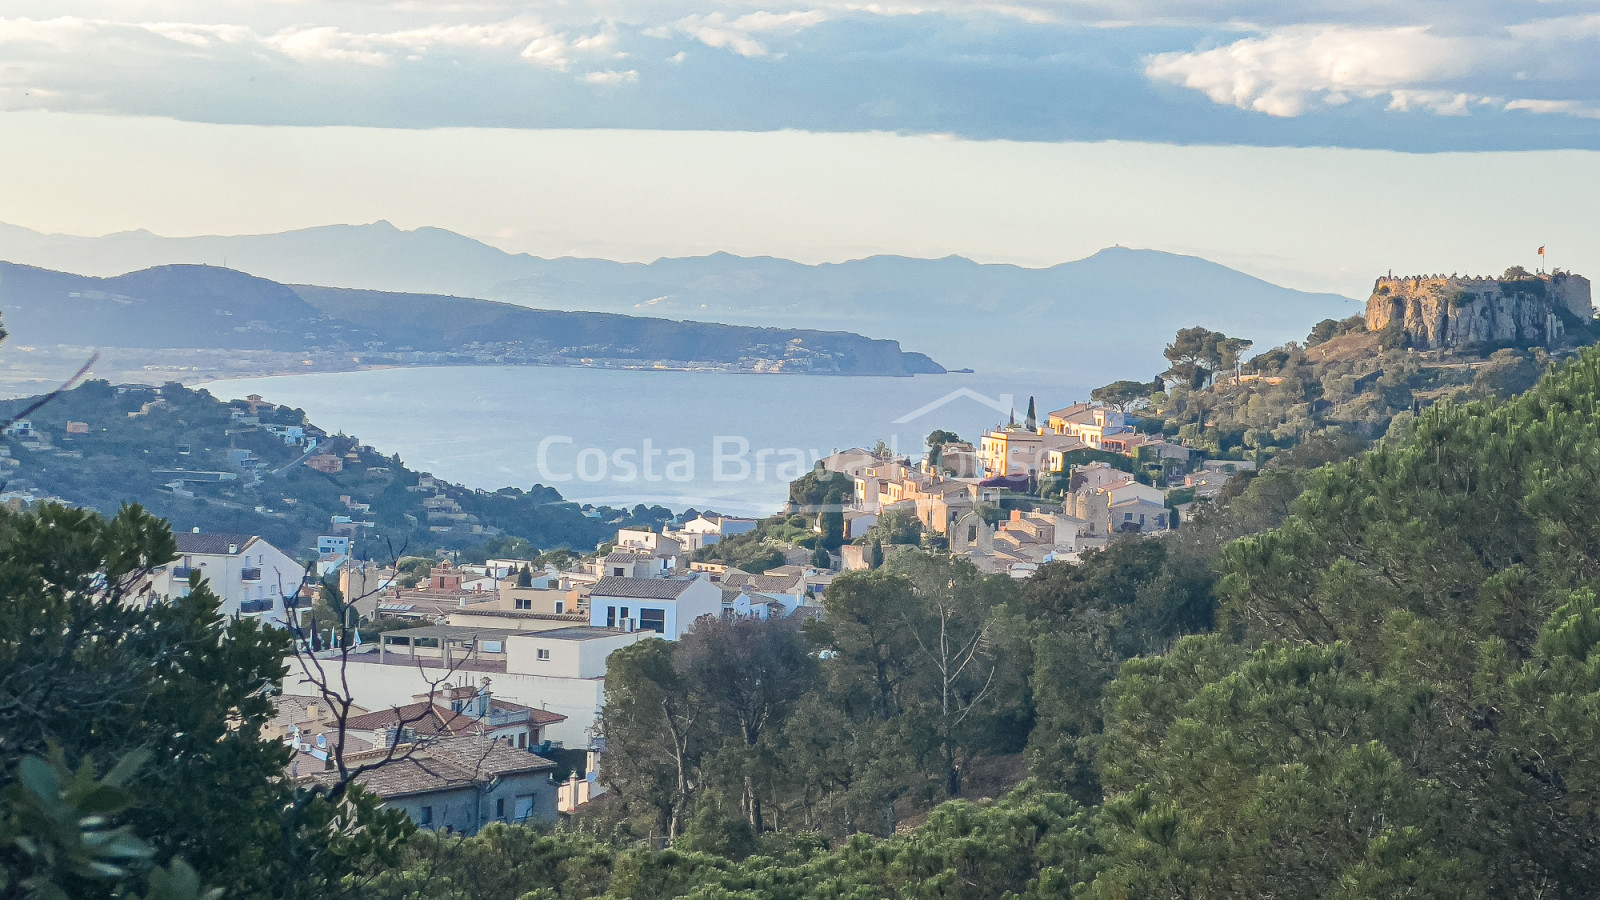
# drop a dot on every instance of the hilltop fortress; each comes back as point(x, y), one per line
point(1443, 312)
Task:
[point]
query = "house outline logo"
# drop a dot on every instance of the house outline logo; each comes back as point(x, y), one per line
point(1004, 404)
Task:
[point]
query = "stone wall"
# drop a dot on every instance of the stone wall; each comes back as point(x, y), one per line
point(1440, 311)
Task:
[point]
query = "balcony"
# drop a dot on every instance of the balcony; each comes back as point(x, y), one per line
point(250, 607)
point(182, 573)
point(498, 717)
point(296, 603)
point(250, 574)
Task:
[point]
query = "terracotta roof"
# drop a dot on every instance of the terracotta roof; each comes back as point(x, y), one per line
point(430, 719)
point(641, 588)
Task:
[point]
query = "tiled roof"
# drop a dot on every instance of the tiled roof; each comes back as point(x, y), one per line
point(442, 765)
point(628, 558)
point(430, 719)
point(778, 584)
point(418, 774)
point(189, 542)
point(640, 588)
point(491, 758)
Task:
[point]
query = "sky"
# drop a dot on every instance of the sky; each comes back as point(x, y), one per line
point(1305, 142)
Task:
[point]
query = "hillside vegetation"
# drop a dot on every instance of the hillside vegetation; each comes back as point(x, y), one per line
point(1375, 678)
point(1402, 698)
point(138, 442)
point(1341, 379)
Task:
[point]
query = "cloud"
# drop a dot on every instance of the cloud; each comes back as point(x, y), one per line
point(1574, 108)
point(1425, 76)
point(738, 34)
point(610, 76)
point(548, 51)
point(1290, 70)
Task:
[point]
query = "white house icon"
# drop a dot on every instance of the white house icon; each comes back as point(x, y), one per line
point(1002, 404)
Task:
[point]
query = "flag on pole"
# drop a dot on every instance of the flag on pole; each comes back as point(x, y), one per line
point(1541, 250)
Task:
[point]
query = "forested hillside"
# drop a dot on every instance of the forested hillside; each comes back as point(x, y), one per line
point(1401, 698)
point(200, 462)
point(1372, 679)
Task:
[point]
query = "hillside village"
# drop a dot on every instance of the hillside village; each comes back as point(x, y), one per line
point(463, 657)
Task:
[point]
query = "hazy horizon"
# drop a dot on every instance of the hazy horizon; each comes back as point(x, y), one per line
point(1314, 219)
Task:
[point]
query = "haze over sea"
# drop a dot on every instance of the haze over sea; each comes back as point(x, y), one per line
point(712, 441)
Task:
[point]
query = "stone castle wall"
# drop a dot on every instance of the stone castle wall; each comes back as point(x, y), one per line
point(1440, 311)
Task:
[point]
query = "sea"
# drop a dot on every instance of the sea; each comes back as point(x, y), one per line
point(621, 437)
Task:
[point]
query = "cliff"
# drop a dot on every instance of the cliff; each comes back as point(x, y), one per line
point(1442, 312)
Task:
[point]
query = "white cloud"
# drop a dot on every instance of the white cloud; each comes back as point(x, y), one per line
point(610, 76)
point(1556, 107)
point(738, 34)
point(549, 51)
point(1444, 103)
point(1289, 70)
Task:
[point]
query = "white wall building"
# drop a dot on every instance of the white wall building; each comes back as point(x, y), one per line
point(560, 671)
point(666, 606)
point(250, 575)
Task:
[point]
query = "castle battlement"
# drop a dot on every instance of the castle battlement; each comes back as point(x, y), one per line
point(1442, 311)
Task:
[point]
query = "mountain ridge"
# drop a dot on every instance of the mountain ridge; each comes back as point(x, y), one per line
point(196, 307)
point(996, 317)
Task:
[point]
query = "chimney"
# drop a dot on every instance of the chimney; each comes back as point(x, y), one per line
point(1016, 515)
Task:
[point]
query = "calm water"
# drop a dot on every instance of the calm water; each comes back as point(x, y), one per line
point(681, 439)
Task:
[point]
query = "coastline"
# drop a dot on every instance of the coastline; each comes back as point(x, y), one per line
point(32, 369)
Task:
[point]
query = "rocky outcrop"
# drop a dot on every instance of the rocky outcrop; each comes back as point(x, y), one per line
point(1442, 312)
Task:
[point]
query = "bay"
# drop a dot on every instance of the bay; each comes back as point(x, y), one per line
point(619, 437)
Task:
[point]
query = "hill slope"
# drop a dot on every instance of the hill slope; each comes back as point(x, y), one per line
point(185, 306)
point(232, 473)
point(1081, 322)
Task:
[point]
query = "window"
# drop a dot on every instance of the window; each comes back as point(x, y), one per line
point(425, 816)
point(1127, 517)
point(653, 620)
point(524, 603)
point(544, 655)
point(522, 741)
point(617, 571)
point(524, 808)
point(500, 808)
point(561, 607)
point(624, 612)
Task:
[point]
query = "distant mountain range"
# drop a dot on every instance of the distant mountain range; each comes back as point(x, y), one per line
point(1087, 321)
point(205, 307)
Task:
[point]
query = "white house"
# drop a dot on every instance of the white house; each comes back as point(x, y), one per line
point(666, 606)
point(560, 671)
point(251, 576)
point(709, 529)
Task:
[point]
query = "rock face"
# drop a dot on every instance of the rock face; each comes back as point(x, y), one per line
point(1440, 312)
